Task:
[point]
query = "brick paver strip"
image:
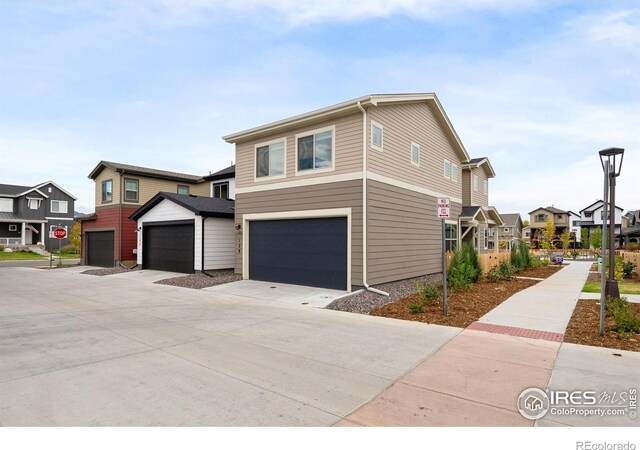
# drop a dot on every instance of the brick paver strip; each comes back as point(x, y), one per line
point(513, 331)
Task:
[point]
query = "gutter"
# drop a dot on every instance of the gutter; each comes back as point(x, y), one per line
point(364, 204)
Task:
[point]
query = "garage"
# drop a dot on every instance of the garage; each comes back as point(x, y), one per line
point(308, 252)
point(100, 248)
point(168, 246)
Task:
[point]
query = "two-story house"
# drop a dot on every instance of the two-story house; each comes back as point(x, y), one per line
point(630, 232)
point(511, 231)
point(346, 195)
point(591, 217)
point(29, 214)
point(574, 225)
point(538, 220)
point(109, 235)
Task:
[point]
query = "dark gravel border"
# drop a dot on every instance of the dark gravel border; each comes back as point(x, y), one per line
point(200, 280)
point(365, 302)
point(107, 271)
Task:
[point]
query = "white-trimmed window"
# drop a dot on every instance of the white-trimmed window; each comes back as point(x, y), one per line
point(486, 186)
point(6, 205)
point(13, 227)
point(270, 159)
point(59, 206)
point(447, 169)
point(475, 182)
point(454, 172)
point(183, 189)
point(107, 191)
point(131, 190)
point(377, 138)
point(415, 154)
point(53, 227)
point(221, 190)
point(314, 150)
point(451, 236)
point(33, 203)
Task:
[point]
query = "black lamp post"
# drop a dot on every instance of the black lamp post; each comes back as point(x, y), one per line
point(614, 157)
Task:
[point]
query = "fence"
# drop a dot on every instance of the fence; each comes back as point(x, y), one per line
point(487, 260)
point(630, 257)
point(10, 241)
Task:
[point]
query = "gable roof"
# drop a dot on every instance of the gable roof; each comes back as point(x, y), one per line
point(12, 190)
point(350, 107)
point(201, 205)
point(9, 190)
point(478, 162)
point(469, 211)
point(551, 209)
point(144, 171)
point(228, 172)
point(511, 219)
point(596, 205)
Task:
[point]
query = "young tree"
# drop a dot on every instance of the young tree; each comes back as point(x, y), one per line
point(565, 239)
point(596, 239)
point(525, 223)
point(548, 235)
point(584, 237)
point(74, 236)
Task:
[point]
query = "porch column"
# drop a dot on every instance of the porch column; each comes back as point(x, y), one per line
point(24, 232)
point(41, 234)
point(496, 231)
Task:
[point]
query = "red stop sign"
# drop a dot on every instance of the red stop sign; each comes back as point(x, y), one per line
point(59, 233)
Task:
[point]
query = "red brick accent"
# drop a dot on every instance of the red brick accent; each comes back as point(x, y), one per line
point(513, 331)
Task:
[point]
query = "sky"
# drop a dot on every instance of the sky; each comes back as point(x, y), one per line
point(537, 86)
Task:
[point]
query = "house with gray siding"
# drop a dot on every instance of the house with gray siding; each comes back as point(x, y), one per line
point(29, 214)
point(511, 231)
point(345, 196)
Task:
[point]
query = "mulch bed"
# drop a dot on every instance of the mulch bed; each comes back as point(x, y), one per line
point(584, 328)
point(107, 271)
point(540, 272)
point(464, 307)
point(200, 280)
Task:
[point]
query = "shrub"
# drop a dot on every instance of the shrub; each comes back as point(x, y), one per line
point(506, 270)
point(632, 246)
point(464, 268)
point(516, 260)
point(525, 255)
point(494, 274)
point(427, 292)
point(70, 248)
point(628, 268)
point(624, 318)
point(1, 248)
point(416, 308)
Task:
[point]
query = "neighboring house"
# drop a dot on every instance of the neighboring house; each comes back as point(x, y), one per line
point(345, 196)
point(574, 225)
point(28, 214)
point(591, 217)
point(526, 234)
point(538, 220)
point(108, 235)
point(177, 232)
point(479, 222)
point(223, 183)
point(630, 232)
point(510, 231)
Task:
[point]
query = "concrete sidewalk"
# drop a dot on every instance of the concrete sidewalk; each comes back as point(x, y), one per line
point(546, 306)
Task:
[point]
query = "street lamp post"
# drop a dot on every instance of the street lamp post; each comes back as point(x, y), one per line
point(614, 158)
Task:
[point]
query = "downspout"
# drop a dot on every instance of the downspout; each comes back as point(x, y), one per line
point(120, 218)
point(364, 204)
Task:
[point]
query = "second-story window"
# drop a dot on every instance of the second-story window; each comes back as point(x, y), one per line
point(454, 172)
point(184, 190)
point(315, 150)
point(59, 206)
point(6, 205)
point(270, 159)
point(541, 217)
point(107, 191)
point(130, 190)
point(221, 190)
point(475, 182)
point(447, 169)
point(486, 186)
point(415, 154)
point(33, 203)
point(376, 135)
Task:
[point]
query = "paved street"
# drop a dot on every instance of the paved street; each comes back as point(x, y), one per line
point(84, 350)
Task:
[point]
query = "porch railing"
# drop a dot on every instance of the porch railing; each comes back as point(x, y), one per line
point(10, 241)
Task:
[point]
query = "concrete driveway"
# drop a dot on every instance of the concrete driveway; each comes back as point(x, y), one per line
point(84, 350)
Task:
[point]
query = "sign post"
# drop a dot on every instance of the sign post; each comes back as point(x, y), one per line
point(60, 233)
point(444, 212)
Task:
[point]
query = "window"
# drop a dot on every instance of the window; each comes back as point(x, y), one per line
point(270, 159)
point(130, 190)
point(486, 186)
point(475, 182)
point(527, 234)
point(447, 169)
point(506, 230)
point(107, 191)
point(221, 190)
point(59, 206)
point(415, 154)
point(6, 205)
point(315, 151)
point(541, 217)
point(376, 135)
point(587, 214)
point(13, 227)
point(451, 236)
point(486, 238)
point(184, 190)
point(34, 203)
point(576, 223)
point(454, 172)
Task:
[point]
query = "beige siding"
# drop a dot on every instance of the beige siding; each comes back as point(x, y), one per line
point(406, 123)
point(346, 194)
point(147, 187)
point(479, 198)
point(404, 234)
point(466, 188)
point(348, 151)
